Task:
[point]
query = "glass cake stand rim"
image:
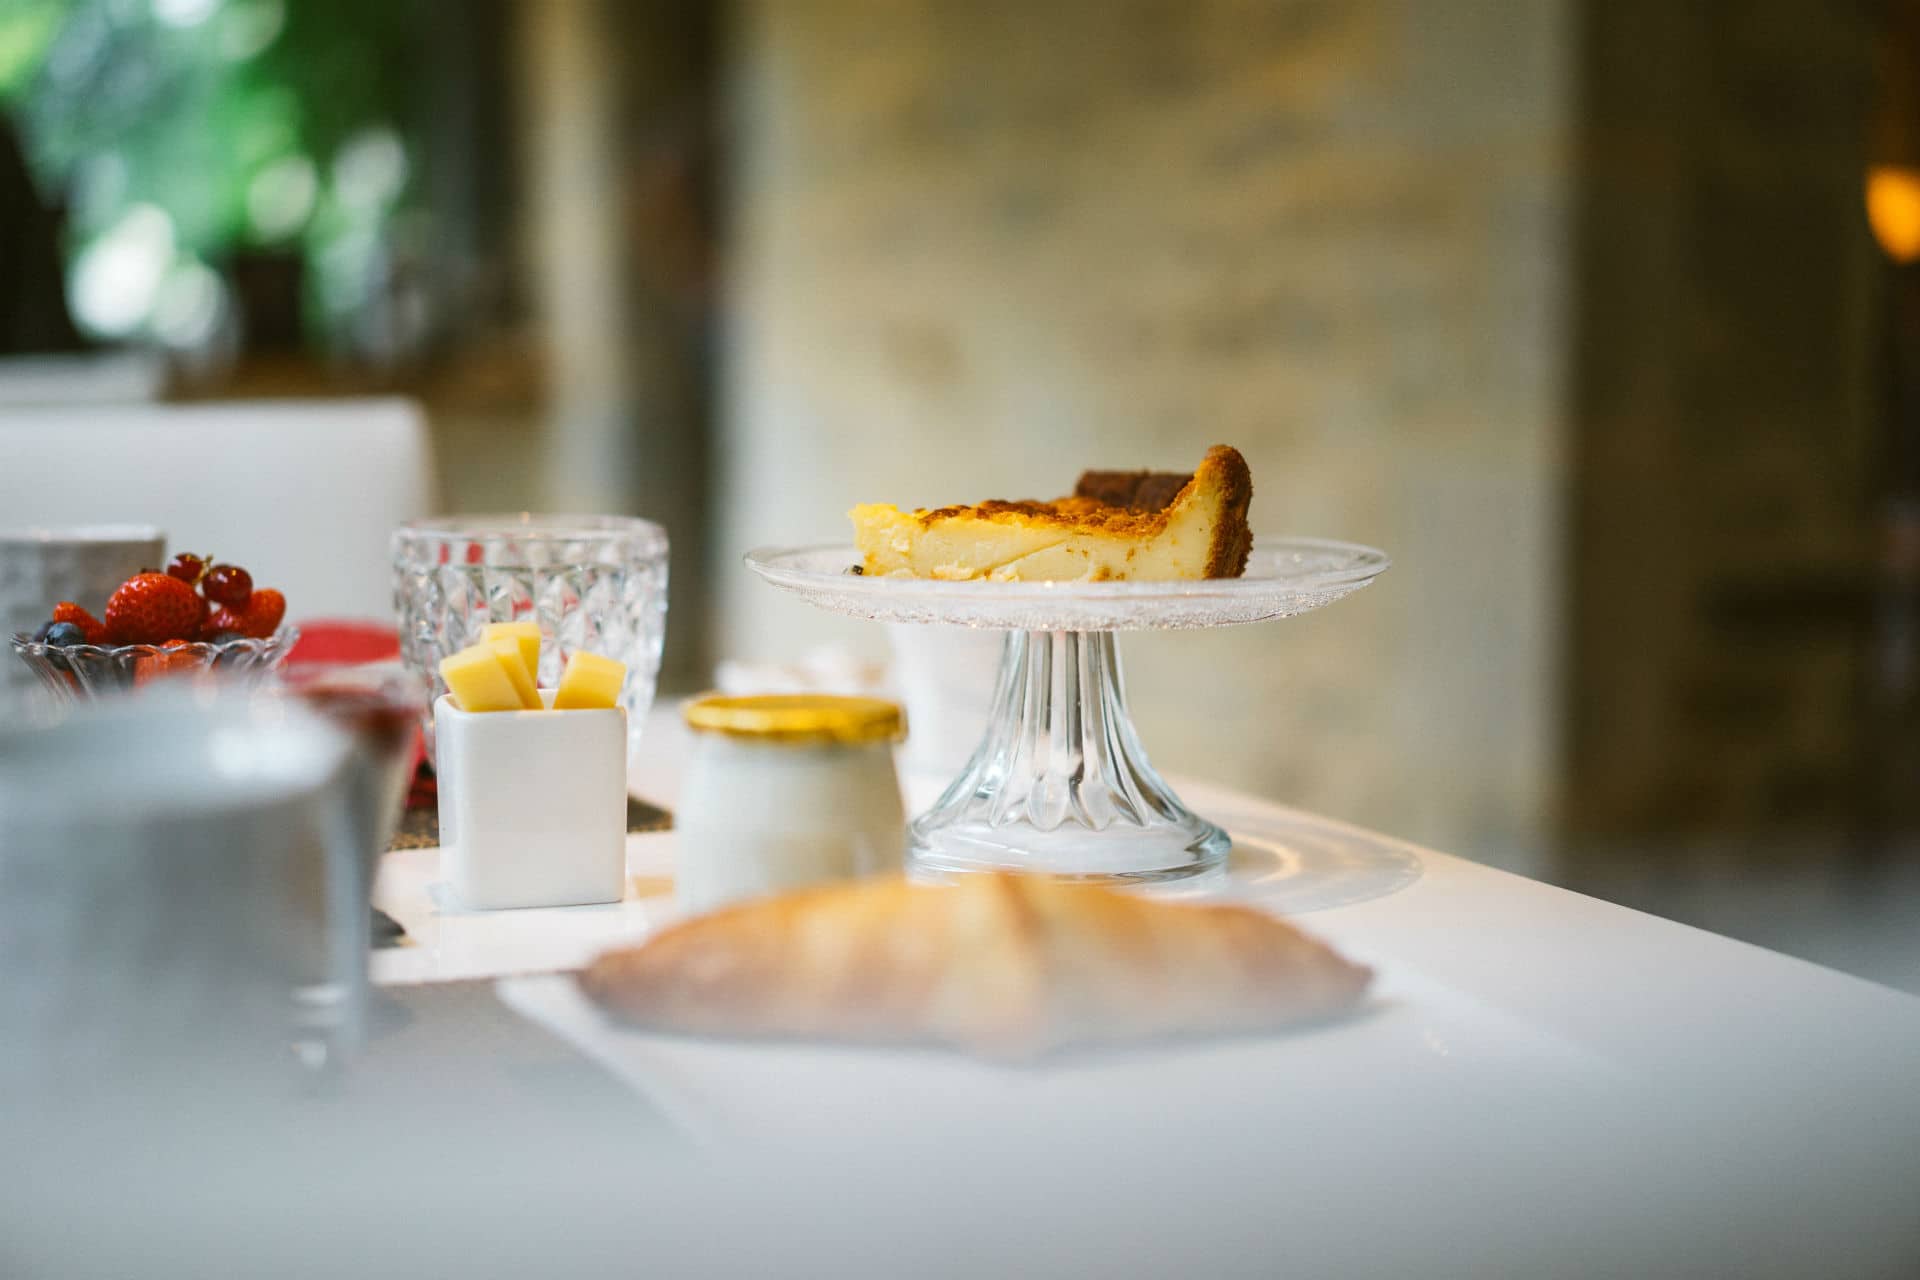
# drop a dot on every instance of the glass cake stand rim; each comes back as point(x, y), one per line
point(967, 603)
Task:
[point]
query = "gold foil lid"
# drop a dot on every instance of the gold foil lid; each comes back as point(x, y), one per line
point(798, 717)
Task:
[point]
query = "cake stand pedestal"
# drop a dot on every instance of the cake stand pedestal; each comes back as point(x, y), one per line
point(1060, 782)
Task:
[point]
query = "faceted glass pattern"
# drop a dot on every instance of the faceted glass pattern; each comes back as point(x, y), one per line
point(597, 583)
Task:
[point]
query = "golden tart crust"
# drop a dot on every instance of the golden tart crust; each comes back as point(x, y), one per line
point(1115, 526)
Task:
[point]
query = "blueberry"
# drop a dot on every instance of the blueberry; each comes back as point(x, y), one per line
point(224, 637)
point(59, 635)
point(62, 634)
point(40, 636)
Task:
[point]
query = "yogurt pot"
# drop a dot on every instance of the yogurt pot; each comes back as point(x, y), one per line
point(784, 791)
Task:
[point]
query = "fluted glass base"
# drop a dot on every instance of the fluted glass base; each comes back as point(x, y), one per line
point(1060, 783)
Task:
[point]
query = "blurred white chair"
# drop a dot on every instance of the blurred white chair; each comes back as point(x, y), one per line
point(303, 493)
point(104, 377)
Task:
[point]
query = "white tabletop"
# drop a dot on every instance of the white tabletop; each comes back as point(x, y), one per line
point(1540, 1076)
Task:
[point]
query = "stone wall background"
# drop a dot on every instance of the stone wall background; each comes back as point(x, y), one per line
point(977, 246)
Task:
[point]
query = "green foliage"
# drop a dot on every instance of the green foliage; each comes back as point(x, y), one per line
point(27, 27)
point(185, 104)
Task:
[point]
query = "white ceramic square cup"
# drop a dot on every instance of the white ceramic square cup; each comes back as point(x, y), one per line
point(533, 805)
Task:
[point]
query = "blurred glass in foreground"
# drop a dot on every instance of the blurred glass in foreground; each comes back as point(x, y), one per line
point(171, 927)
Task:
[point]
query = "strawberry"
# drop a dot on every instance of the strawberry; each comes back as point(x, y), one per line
point(68, 611)
point(261, 616)
point(151, 608)
point(173, 659)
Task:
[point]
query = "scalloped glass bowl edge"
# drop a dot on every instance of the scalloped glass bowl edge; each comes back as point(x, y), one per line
point(83, 671)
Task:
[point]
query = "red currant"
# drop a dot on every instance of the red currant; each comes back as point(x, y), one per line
point(228, 584)
point(187, 567)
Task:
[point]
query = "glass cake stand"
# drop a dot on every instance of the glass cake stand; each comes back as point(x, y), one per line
point(1060, 783)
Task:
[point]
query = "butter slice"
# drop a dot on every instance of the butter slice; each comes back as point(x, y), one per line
point(478, 682)
point(507, 650)
point(526, 634)
point(590, 683)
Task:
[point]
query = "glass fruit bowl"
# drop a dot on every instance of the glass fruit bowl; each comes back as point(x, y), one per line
point(78, 672)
